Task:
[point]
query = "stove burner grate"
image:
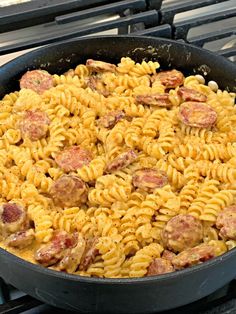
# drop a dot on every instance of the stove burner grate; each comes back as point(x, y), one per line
point(62, 20)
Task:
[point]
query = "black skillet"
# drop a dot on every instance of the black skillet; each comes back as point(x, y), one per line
point(141, 295)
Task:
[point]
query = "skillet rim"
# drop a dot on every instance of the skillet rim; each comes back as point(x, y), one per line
point(119, 281)
point(119, 37)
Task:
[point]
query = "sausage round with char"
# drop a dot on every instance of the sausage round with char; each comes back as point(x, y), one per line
point(161, 100)
point(182, 232)
point(21, 239)
point(34, 125)
point(168, 255)
point(197, 114)
point(189, 94)
point(37, 80)
point(12, 218)
point(73, 158)
point(100, 66)
point(54, 251)
point(110, 119)
point(159, 266)
point(96, 84)
point(72, 257)
point(193, 256)
point(226, 222)
point(90, 253)
point(149, 179)
point(122, 161)
point(69, 191)
point(170, 79)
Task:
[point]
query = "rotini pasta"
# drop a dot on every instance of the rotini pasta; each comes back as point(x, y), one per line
point(114, 168)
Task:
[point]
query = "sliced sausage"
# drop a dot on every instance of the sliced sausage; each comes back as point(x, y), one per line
point(72, 257)
point(159, 266)
point(149, 179)
point(73, 158)
point(189, 94)
point(161, 100)
point(110, 119)
point(197, 114)
point(122, 161)
point(37, 80)
point(12, 218)
point(226, 222)
point(90, 254)
point(95, 83)
point(182, 232)
point(54, 251)
point(170, 79)
point(193, 256)
point(69, 191)
point(100, 66)
point(168, 255)
point(21, 239)
point(34, 125)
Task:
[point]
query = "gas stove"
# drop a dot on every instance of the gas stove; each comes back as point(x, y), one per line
point(33, 23)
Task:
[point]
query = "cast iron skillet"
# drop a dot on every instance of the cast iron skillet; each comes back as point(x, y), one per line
point(141, 295)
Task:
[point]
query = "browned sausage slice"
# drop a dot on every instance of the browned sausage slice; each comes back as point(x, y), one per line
point(37, 80)
point(11, 212)
point(161, 100)
point(21, 239)
point(100, 66)
point(170, 79)
point(34, 125)
point(149, 179)
point(122, 161)
point(12, 218)
point(73, 158)
point(168, 255)
point(226, 222)
point(189, 94)
point(110, 119)
point(159, 266)
point(71, 260)
point(182, 232)
point(54, 251)
point(90, 253)
point(69, 191)
point(193, 256)
point(197, 114)
point(95, 83)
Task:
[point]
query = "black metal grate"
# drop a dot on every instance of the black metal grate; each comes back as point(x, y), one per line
point(145, 17)
point(41, 11)
point(181, 28)
point(168, 11)
point(139, 17)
